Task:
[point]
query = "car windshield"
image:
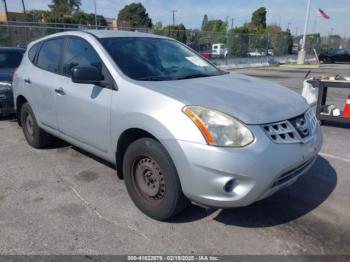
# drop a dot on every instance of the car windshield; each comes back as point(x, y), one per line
point(157, 59)
point(10, 59)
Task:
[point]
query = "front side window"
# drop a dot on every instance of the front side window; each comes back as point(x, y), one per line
point(156, 59)
point(79, 53)
point(10, 59)
point(49, 55)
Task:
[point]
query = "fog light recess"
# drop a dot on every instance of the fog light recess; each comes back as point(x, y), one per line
point(230, 185)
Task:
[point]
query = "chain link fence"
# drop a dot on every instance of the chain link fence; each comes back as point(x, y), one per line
point(223, 48)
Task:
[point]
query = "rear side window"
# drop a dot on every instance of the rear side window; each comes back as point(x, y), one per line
point(49, 55)
point(33, 51)
point(78, 52)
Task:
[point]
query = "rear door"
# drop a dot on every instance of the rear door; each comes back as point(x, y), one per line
point(83, 109)
point(40, 81)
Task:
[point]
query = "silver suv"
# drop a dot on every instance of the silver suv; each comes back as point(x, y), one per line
point(177, 128)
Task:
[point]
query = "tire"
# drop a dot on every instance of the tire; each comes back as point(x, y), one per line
point(35, 136)
point(152, 180)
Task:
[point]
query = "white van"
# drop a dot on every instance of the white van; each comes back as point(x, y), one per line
point(219, 50)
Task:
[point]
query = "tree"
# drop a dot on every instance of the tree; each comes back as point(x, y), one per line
point(214, 31)
point(135, 14)
point(177, 32)
point(259, 18)
point(64, 7)
point(204, 22)
point(158, 26)
point(238, 41)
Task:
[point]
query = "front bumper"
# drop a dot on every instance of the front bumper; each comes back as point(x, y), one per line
point(255, 172)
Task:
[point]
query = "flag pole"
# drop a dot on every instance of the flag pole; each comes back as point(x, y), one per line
point(301, 54)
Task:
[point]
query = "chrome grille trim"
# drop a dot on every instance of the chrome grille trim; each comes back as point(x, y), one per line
point(284, 132)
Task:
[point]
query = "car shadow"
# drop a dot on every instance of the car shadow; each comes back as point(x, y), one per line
point(291, 203)
point(8, 118)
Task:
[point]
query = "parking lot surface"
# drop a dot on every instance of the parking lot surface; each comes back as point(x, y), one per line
point(62, 200)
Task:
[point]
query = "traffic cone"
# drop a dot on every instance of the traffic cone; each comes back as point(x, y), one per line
point(346, 112)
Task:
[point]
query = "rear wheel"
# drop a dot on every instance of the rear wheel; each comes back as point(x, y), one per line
point(35, 136)
point(151, 179)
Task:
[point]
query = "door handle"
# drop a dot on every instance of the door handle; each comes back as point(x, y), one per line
point(60, 91)
point(27, 81)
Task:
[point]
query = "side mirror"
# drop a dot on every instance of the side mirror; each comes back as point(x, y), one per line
point(86, 75)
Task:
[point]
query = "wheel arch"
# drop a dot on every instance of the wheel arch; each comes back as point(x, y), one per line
point(20, 101)
point(125, 139)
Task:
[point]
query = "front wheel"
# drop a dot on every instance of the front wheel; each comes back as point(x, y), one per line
point(35, 136)
point(151, 179)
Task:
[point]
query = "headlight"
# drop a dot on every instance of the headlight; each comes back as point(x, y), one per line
point(218, 128)
point(4, 86)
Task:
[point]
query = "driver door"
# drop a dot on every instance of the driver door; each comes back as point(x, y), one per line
point(83, 110)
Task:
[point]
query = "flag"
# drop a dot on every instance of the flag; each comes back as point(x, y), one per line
point(322, 14)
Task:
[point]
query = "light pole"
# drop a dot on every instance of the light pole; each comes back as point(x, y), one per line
point(289, 23)
point(301, 54)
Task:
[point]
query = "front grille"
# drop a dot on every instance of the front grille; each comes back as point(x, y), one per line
point(284, 178)
point(295, 130)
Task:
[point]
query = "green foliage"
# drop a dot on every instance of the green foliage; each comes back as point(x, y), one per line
point(214, 32)
point(312, 41)
point(158, 26)
point(135, 14)
point(177, 32)
point(281, 43)
point(64, 7)
point(204, 22)
point(238, 41)
point(259, 18)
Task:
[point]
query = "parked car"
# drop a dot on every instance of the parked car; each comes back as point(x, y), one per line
point(177, 128)
point(219, 50)
point(10, 58)
point(335, 55)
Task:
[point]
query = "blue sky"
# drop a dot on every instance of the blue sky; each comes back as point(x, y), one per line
point(190, 12)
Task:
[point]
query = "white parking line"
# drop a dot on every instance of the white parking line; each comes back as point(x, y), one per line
point(335, 157)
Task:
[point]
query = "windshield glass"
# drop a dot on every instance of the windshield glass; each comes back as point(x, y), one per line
point(156, 59)
point(10, 59)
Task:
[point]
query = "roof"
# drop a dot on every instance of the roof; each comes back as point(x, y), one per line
point(117, 33)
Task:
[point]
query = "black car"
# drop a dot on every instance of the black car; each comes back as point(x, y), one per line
point(10, 58)
point(335, 55)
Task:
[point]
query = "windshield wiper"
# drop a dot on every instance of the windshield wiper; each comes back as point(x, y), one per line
point(194, 76)
point(153, 78)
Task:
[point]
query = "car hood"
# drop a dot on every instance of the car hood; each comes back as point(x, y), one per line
point(251, 100)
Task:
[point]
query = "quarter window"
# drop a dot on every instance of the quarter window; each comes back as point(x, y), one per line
point(49, 55)
point(33, 51)
point(79, 53)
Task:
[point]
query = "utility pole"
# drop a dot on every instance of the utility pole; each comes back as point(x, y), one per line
point(301, 54)
point(232, 21)
point(296, 31)
point(24, 8)
point(289, 23)
point(6, 11)
point(95, 15)
point(173, 11)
